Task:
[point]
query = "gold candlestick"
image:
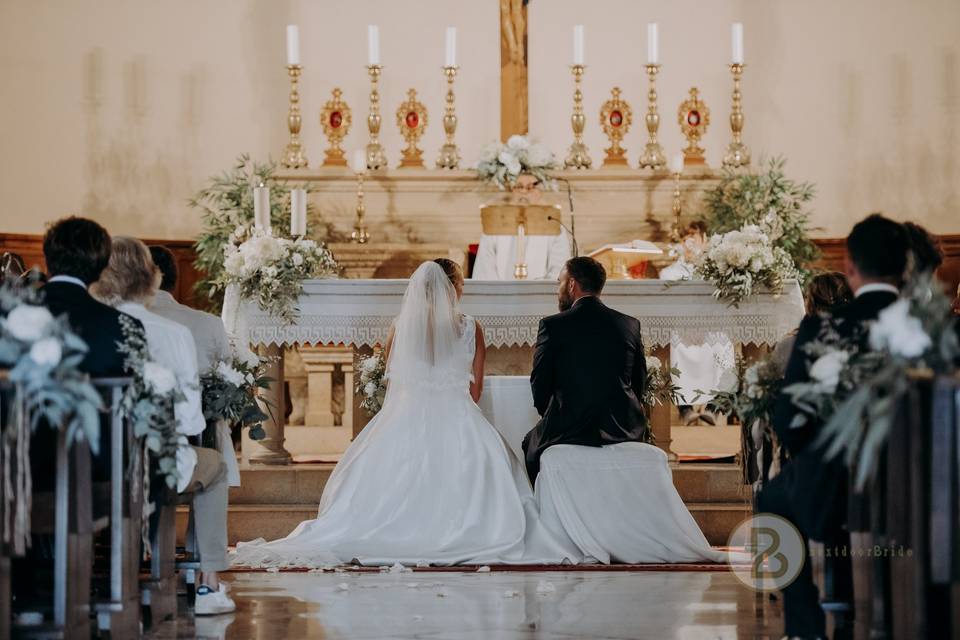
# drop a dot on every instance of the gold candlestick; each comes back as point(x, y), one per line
point(360, 235)
point(449, 153)
point(738, 155)
point(578, 157)
point(677, 209)
point(375, 157)
point(653, 156)
point(294, 156)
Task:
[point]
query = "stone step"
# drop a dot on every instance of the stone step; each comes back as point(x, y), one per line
point(301, 484)
point(247, 522)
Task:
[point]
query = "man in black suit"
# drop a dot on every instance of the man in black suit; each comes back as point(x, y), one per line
point(589, 370)
point(811, 490)
point(77, 250)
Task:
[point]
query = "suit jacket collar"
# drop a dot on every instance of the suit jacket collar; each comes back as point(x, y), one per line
point(586, 300)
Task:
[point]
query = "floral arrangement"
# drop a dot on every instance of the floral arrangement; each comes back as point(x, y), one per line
point(739, 262)
point(661, 388)
point(856, 390)
point(502, 164)
point(271, 270)
point(770, 201)
point(149, 400)
point(230, 392)
point(42, 357)
point(371, 385)
point(226, 204)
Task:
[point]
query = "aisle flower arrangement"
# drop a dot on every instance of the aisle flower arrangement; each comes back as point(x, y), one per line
point(742, 261)
point(661, 388)
point(371, 385)
point(501, 164)
point(230, 392)
point(149, 400)
point(271, 270)
point(855, 391)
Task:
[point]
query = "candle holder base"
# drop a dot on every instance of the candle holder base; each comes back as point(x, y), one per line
point(578, 157)
point(360, 235)
point(738, 155)
point(520, 271)
point(294, 156)
point(375, 157)
point(653, 157)
point(449, 157)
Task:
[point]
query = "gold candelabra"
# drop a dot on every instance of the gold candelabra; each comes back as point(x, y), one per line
point(294, 156)
point(738, 155)
point(653, 156)
point(677, 209)
point(375, 157)
point(449, 153)
point(360, 234)
point(578, 157)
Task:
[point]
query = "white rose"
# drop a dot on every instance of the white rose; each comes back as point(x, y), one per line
point(899, 332)
point(490, 152)
point(510, 162)
point(370, 389)
point(230, 374)
point(518, 143)
point(826, 370)
point(248, 358)
point(297, 259)
point(369, 364)
point(159, 378)
point(46, 352)
point(29, 322)
point(233, 264)
point(653, 362)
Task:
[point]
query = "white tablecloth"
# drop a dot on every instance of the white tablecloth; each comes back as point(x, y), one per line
point(507, 402)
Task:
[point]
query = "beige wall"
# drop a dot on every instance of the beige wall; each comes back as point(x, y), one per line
point(120, 108)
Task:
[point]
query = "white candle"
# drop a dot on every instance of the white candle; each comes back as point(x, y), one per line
point(451, 57)
point(293, 44)
point(261, 208)
point(373, 45)
point(578, 44)
point(736, 44)
point(359, 161)
point(676, 163)
point(298, 213)
point(653, 44)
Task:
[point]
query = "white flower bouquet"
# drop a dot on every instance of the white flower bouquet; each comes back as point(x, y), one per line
point(502, 164)
point(230, 393)
point(271, 270)
point(741, 261)
point(371, 385)
point(661, 388)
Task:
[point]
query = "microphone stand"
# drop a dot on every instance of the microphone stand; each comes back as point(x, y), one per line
point(572, 229)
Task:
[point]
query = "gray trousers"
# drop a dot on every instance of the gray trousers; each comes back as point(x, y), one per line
point(209, 509)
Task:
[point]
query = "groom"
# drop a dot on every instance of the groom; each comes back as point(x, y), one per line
point(589, 370)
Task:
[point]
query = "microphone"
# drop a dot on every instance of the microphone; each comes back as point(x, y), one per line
point(572, 230)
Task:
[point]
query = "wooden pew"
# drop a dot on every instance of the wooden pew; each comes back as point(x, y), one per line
point(159, 588)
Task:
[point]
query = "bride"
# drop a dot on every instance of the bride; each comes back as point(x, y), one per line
point(429, 480)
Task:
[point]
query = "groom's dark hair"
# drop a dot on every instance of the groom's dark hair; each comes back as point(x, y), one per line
point(588, 273)
point(878, 247)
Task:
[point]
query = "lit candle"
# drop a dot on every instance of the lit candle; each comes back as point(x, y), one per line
point(653, 44)
point(373, 45)
point(293, 44)
point(736, 37)
point(451, 57)
point(359, 162)
point(261, 207)
point(298, 213)
point(578, 44)
point(676, 163)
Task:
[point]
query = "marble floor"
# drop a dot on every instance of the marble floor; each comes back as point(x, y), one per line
point(488, 606)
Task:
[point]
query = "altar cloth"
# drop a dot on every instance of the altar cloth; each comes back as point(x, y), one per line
point(360, 312)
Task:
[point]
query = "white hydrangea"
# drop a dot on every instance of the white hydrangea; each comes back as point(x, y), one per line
point(827, 368)
point(899, 333)
point(230, 374)
point(160, 379)
point(47, 352)
point(29, 322)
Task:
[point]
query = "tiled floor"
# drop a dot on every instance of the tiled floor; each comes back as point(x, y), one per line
point(488, 606)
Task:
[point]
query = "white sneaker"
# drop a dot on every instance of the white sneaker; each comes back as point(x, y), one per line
point(211, 603)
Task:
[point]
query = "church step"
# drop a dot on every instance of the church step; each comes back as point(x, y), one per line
point(301, 484)
point(246, 522)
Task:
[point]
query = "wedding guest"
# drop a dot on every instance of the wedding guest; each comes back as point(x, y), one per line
point(824, 293)
point(926, 256)
point(209, 335)
point(129, 283)
point(11, 265)
point(810, 491)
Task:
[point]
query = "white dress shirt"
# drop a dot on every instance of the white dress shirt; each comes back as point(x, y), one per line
point(171, 345)
point(876, 286)
point(70, 279)
point(209, 336)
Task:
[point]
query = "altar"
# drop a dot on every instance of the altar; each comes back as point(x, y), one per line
point(358, 313)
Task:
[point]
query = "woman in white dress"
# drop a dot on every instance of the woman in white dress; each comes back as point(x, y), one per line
point(429, 480)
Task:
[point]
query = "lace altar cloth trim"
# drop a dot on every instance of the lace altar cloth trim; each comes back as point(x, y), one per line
point(359, 312)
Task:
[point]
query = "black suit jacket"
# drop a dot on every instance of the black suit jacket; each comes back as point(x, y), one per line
point(815, 486)
point(99, 326)
point(589, 373)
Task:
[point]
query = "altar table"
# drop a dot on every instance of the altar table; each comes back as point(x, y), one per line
point(359, 313)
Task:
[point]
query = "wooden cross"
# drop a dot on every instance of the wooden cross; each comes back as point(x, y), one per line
point(513, 68)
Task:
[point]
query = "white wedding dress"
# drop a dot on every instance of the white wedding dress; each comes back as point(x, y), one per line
point(429, 480)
